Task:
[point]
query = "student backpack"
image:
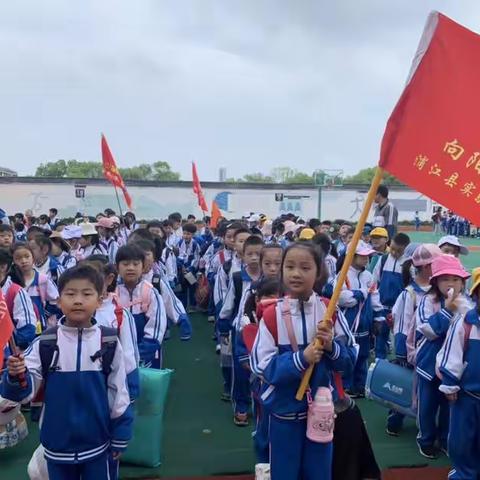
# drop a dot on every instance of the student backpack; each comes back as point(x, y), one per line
point(48, 346)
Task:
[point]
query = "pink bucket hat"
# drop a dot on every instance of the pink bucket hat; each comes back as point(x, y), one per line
point(425, 254)
point(363, 249)
point(448, 265)
point(106, 222)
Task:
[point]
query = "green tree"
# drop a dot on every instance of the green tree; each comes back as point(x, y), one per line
point(163, 172)
point(52, 169)
point(160, 171)
point(365, 177)
point(290, 175)
point(257, 178)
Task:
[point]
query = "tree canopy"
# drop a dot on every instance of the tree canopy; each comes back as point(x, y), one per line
point(366, 175)
point(160, 171)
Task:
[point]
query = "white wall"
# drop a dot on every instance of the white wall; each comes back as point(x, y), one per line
point(158, 202)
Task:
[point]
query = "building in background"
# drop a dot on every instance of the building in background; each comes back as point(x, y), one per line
point(222, 174)
point(6, 172)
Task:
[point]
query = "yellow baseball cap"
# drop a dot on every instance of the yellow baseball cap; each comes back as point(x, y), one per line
point(475, 280)
point(379, 232)
point(307, 234)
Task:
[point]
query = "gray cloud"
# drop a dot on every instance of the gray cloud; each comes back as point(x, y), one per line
point(249, 84)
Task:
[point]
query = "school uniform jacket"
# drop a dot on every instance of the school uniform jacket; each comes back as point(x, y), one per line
point(389, 280)
point(433, 321)
point(189, 255)
point(459, 357)
point(23, 315)
point(66, 260)
point(84, 413)
point(127, 335)
point(148, 310)
point(403, 313)
point(222, 281)
point(272, 358)
point(168, 265)
point(109, 248)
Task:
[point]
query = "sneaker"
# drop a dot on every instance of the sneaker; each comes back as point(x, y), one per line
point(240, 420)
point(428, 451)
point(185, 338)
point(217, 349)
point(225, 397)
point(211, 319)
point(392, 432)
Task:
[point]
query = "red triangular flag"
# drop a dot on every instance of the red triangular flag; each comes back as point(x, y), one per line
point(197, 189)
point(111, 173)
point(216, 215)
point(432, 139)
point(6, 326)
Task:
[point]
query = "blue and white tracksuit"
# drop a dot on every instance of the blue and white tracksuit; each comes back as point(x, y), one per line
point(44, 295)
point(174, 308)
point(146, 306)
point(458, 364)
point(51, 268)
point(85, 415)
point(188, 261)
point(127, 335)
point(84, 253)
point(109, 247)
point(404, 320)
point(360, 303)
point(228, 326)
point(66, 260)
point(168, 266)
point(292, 455)
point(390, 286)
point(222, 279)
point(433, 321)
point(23, 315)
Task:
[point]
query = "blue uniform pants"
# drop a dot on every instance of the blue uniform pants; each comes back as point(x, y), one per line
point(260, 435)
point(293, 456)
point(464, 438)
point(240, 382)
point(381, 341)
point(97, 469)
point(433, 413)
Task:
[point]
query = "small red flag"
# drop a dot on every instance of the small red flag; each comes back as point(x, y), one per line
point(197, 189)
point(432, 139)
point(6, 326)
point(111, 173)
point(216, 215)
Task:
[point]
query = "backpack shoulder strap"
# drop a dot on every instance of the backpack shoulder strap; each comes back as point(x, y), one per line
point(270, 320)
point(108, 345)
point(383, 261)
point(10, 296)
point(47, 348)
point(238, 288)
point(156, 282)
point(326, 301)
point(145, 296)
point(118, 310)
point(227, 266)
point(221, 256)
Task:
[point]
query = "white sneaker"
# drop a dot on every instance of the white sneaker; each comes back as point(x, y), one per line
point(211, 319)
point(262, 471)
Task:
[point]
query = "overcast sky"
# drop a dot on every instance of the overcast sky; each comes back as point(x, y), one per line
point(248, 85)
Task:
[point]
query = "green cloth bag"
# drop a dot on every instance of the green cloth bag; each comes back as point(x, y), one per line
point(145, 447)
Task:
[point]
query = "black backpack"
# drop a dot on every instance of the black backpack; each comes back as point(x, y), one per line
point(48, 350)
point(238, 288)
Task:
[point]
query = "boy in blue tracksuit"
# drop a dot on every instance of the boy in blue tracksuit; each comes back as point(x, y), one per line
point(188, 260)
point(86, 413)
point(457, 364)
point(388, 276)
point(229, 324)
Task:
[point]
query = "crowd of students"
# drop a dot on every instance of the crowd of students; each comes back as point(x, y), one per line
point(94, 299)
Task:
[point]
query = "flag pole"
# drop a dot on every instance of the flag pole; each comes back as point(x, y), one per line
point(118, 200)
point(377, 179)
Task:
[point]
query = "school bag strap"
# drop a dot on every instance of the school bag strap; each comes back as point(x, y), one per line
point(238, 289)
point(287, 319)
point(156, 283)
point(227, 266)
point(143, 300)
point(10, 296)
point(270, 321)
point(221, 256)
point(48, 350)
point(118, 310)
point(108, 345)
point(383, 261)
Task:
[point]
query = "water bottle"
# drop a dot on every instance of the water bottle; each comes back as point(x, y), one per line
point(321, 417)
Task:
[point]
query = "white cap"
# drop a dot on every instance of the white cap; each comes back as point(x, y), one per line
point(254, 218)
point(453, 240)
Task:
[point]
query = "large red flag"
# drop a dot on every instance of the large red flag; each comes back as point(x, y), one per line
point(432, 139)
point(197, 189)
point(6, 326)
point(111, 173)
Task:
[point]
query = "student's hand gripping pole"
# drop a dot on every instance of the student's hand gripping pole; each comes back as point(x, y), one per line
point(22, 378)
point(332, 305)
